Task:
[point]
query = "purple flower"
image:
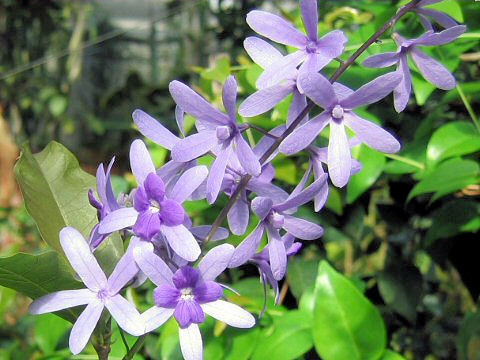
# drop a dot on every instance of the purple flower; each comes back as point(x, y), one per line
point(155, 210)
point(218, 132)
point(188, 295)
point(338, 113)
point(313, 53)
point(270, 95)
point(441, 18)
point(99, 294)
point(274, 217)
point(431, 69)
point(105, 205)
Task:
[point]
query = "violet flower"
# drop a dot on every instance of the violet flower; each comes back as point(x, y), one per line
point(441, 18)
point(155, 210)
point(218, 132)
point(105, 205)
point(188, 295)
point(274, 217)
point(338, 113)
point(431, 69)
point(313, 53)
point(99, 294)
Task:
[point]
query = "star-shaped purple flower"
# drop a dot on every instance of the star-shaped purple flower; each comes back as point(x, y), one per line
point(189, 294)
point(313, 53)
point(274, 217)
point(155, 210)
point(99, 294)
point(338, 113)
point(218, 132)
point(431, 69)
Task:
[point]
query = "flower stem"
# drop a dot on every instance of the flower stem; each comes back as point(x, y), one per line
point(406, 161)
point(136, 348)
point(469, 108)
point(124, 340)
point(310, 105)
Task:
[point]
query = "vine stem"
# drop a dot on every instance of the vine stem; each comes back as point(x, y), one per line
point(136, 347)
point(310, 105)
point(469, 108)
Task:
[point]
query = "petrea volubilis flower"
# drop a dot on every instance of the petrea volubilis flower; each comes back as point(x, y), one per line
point(218, 132)
point(313, 53)
point(431, 69)
point(106, 203)
point(440, 17)
point(274, 217)
point(99, 294)
point(338, 113)
point(189, 294)
point(155, 210)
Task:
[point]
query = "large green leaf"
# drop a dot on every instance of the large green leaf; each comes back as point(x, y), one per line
point(346, 325)
point(55, 188)
point(372, 167)
point(301, 275)
point(390, 355)
point(451, 175)
point(452, 139)
point(292, 337)
point(38, 275)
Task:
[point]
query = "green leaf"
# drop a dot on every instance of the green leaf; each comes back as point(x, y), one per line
point(400, 285)
point(422, 89)
point(334, 201)
point(449, 176)
point(243, 344)
point(38, 275)
point(391, 355)
point(373, 163)
point(301, 275)
point(346, 325)
point(452, 139)
point(49, 330)
point(468, 340)
point(450, 7)
point(55, 188)
point(109, 252)
point(291, 338)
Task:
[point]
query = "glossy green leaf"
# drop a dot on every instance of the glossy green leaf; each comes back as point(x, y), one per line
point(452, 139)
point(346, 325)
point(421, 88)
point(372, 167)
point(391, 355)
point(301, 275)
point(449, 176)
point(55, 188)
point(49, 330)
point(291, 338)
point(243, 344)
point(38, 275)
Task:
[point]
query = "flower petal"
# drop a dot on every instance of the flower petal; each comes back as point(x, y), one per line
point(188, 183)
point(194, 146)
point(246, 157)
point(153, 130)
point(305, 134)
point(156, 317)
point(140, 161)
point(282, 69)
point(276, 253)
point(152, 265)
point(191, 342)
point(332, 44)
point(208, 291)
point(433, 71)
point(265, 99)
point(264, 189)
point(215, 261)
point(182, 242)
point(126, 315)
point(247, 247)
point(217, 172)
point(229, 97)
point(382, 60)
point(301, 228)
point(202, 231)
point(373, 91)
point(195, 105)
point(229, 313)
point(61, 300)
point(166, 296)
point(275, 28)
point(82, 260)
point(261, 52)
point(188, 312)
point(84, 326)
point(401, 94)
point(261, 206)
point(339, 157)
point(171, 213)
point(147, 225)
point(304, 196)
point(310, 17)
point(125, 270)
point(118, 220)
point(372, 134)
point(442, 37)
point(440, 17)
point(154, 187)
point(238, 217)
point(298, 104)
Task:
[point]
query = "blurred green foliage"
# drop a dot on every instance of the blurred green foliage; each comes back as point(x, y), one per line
point(395, 275)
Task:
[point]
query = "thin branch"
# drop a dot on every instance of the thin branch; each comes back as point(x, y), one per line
point(469, 108)
point(310, 105)
point(136, 348)
point(262, 131)
point(124, 340)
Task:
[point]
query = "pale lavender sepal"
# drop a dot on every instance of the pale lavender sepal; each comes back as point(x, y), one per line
point(152, 265)
point(401, 94)
point(61, 300)
point(188, 182)
point(156, 317)
point(153, 130)
point(276, 253)
point(125, 314)
point(215, 261)
point(125, 270)
point(246, 157)
point(433, 71)
point(117, 220)
point(191, 342)
point(299, 102)
point(217, 172)
point(229, 97)
point(310, 18)
point(301, 228)
point(229, 313)
point(194, 146)
point(280, 70)
point(339, 157)
point(201, 232)
point(261, 206)
point(84, 326)
point(238, 217)
point(140, 161)
point(181, 241)
point(247, 247)
point(303, 196)
point(318, 88)
point(261, 52)
point(382, 60)
point(265, 99)
point(180, 119)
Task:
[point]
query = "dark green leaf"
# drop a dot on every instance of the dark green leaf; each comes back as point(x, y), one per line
point(48, 331)
point(390, 355)
point(243, 344)
point(468, 340)
point(301, 275)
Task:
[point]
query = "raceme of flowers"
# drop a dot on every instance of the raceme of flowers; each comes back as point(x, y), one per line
point(165, 246)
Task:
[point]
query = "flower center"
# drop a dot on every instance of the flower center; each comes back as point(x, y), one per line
point(154, 206)
point(102, 294)
point(311, 47)
point(186, 294)
point(337, 112)
point(223, 133)
point(276, 219)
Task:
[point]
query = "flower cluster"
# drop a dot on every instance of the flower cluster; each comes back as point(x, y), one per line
point(165, 246)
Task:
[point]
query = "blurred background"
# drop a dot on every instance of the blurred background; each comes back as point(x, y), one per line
point(73, 72)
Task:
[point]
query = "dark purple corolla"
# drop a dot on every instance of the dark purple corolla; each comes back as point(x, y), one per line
point(155, 210)
point(189, 294)
point(218, 133)
point(100, 293)
point(431, 69)
point(313, 53)
point(274, 217)
point(338, 114)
